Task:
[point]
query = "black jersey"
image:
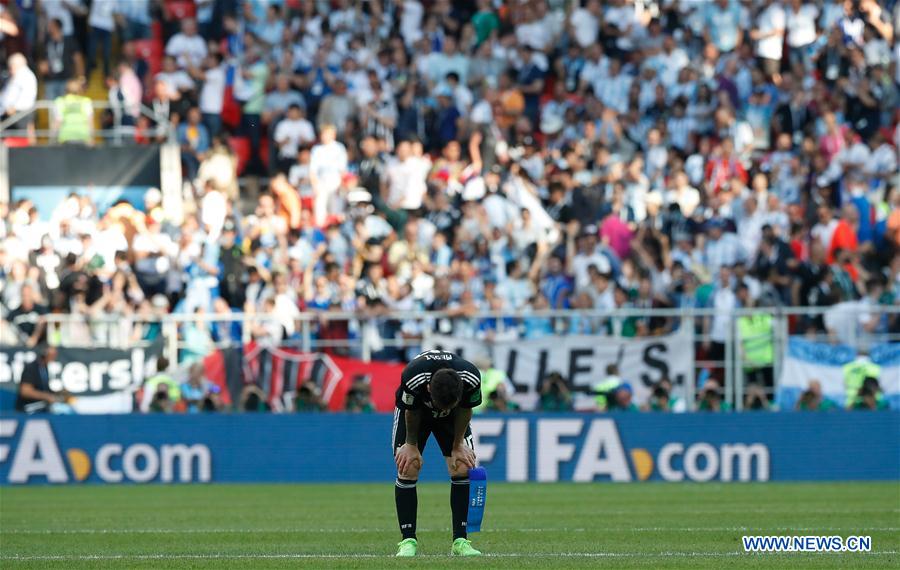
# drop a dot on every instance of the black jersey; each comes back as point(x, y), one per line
point(413, 392)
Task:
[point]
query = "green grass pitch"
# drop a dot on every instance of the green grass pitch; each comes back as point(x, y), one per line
point(526, 526)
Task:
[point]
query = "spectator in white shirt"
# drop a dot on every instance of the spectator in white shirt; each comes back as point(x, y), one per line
point(769, 36)
point(327, 166)
point(462, 95)
point(588, 254)
point(622, 22)
point(682, 193)
point(177, 81)
point(724, 302)
point(881, 165)
point(187, 46)
point(800, 20)
point(291, 133)
point(531, 31)
point(406, 178)
point(750, 224)
point(20, 92)
point(585, 23)
point(411, 13)
point(212, 93)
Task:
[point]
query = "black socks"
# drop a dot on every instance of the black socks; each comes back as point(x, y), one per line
point(407, 505)
point(459, 504)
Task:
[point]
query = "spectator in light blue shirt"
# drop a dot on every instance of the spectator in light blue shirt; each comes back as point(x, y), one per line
point(195, 391)
point(194, 140)
point(538, 327)
point(278, 101)
point(270, 29)
point(579, 323)
point(723, 24)
point(496, 328)
point(515, 288)
point(723, 249)
point(136, 14)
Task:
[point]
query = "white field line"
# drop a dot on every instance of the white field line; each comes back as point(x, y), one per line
point(289, 556)
point(352, 530)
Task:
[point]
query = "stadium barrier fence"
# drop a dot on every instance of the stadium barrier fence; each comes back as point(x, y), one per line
point(396, 336)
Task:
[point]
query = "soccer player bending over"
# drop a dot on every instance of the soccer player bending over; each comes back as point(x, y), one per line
point(436, 395)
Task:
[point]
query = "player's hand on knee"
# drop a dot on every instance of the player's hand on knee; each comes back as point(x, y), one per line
point(462, 458)
point(409, 461)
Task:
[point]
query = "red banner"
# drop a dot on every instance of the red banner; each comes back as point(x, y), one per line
point(385, 379)
point(280, 370)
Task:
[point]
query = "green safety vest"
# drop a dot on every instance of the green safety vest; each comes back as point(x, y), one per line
point(163, 378)
point(74, 112)
point(601, 389)
point(490, 381)
point(854, 375)
point(756, 340)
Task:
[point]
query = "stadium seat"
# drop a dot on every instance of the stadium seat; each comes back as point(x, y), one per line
point(264, 151)
point(156, 31)
point(179, 9)
point(241, 148)
point(16, 142)
point(150, 51)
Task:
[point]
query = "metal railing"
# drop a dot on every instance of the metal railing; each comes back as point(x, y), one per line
point(124, 331)
point(118, 134)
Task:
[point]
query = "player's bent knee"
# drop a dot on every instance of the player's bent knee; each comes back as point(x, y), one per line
point(458, 471)
point(410, 472)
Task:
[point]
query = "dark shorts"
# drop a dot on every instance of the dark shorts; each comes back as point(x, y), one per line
point(769, 66)
point(441, 428)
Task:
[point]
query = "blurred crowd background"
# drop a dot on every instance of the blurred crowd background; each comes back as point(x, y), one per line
point(381, 156)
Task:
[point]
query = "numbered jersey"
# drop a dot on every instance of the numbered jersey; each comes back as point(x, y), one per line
point(413, 393)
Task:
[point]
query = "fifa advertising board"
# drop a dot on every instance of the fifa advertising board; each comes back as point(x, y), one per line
point(625, 447)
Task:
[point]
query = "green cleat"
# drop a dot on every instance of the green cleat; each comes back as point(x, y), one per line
point(463, 547)
point(407, 547)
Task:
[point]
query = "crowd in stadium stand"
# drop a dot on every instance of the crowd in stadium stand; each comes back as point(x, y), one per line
point(468, 156)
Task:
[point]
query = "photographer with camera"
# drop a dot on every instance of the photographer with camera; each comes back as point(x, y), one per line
point(555, 394)
point(869, 396)
point(660, 400)
point(711, 399)
point(359, 397)
point(812, 399)
point(309, 398)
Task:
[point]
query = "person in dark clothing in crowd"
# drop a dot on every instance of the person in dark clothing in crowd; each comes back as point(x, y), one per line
point(35, 394)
